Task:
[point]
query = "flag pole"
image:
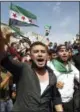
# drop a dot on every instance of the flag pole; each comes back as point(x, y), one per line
point(9, 14)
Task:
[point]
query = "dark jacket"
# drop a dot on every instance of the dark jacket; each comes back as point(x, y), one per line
point(76, 59)
point(28, 91)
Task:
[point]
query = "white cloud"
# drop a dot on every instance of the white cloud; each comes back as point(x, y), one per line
point(47, 4)
point(58, 3)
point(57, 8)
point(65, 22)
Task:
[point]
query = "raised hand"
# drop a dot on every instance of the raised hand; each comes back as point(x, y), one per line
point(5, 34)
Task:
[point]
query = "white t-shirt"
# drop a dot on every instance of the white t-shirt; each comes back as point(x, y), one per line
point(44, 85)
point(68, 80)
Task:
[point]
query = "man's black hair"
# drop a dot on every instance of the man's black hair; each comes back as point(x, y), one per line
point(50, 51)
point(38, 43)
point(60, 46)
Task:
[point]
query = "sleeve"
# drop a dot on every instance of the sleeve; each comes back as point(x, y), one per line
point(11, 65)
point(76, 73)
point(56, 97)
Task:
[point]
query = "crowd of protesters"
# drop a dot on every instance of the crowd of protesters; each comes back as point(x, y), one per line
point(21, 91)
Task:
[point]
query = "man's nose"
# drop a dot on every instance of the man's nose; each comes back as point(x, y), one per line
point(40, 54)
point(64, 52)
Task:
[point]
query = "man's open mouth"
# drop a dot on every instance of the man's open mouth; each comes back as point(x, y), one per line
point(40, 60)
point(64, 56)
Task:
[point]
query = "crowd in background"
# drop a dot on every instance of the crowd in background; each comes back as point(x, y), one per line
point(21, 53)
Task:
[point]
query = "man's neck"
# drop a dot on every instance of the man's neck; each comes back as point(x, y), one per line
point(40, 71)
point(65, 63)
point(42, 74)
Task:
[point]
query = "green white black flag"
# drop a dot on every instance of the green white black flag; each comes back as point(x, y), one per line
point(21, 17)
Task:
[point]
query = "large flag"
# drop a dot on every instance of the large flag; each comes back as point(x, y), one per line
point(21, 17)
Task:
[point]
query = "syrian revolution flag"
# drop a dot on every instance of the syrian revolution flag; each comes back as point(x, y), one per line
point(21, 17)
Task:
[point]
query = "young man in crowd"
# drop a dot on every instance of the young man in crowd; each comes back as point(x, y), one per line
point(66, 72)
point(36, 85)
point(52, 54)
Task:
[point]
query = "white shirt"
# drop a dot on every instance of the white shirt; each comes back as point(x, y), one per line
point(68, 80)
point(43, 85)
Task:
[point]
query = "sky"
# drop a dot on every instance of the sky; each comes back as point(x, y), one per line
point(62, 16)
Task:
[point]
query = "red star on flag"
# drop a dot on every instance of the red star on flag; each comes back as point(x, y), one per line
point(14, 15)
point(23, 18)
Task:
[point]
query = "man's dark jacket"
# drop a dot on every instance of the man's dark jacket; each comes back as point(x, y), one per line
point(29, 98)
point(76, 59)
